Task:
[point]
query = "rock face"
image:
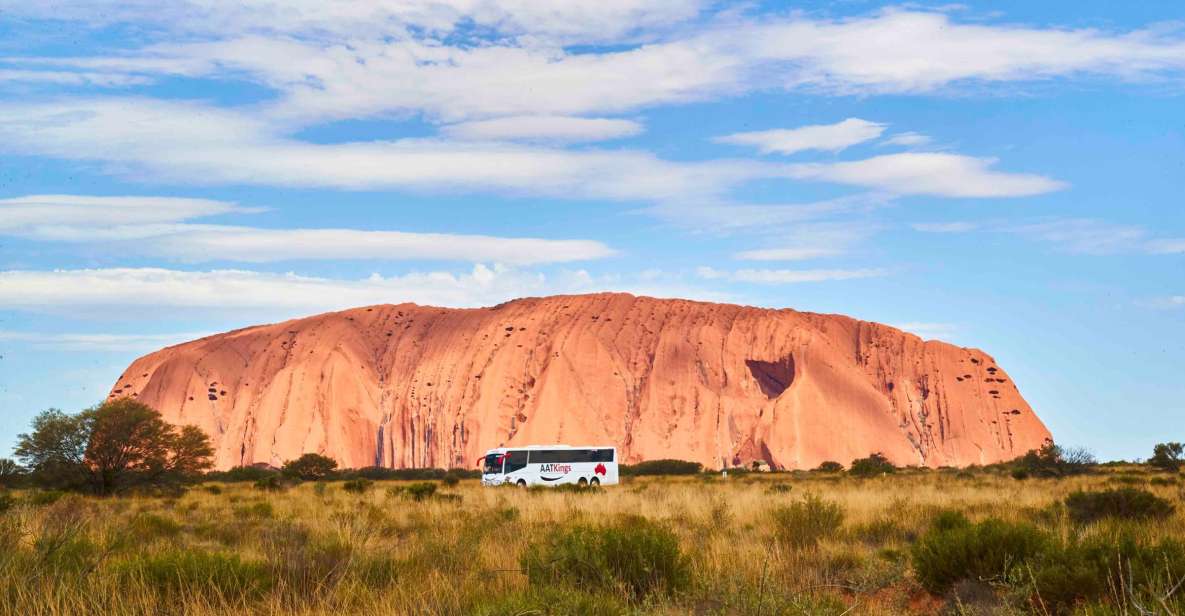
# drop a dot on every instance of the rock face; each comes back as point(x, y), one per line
point(415, 386)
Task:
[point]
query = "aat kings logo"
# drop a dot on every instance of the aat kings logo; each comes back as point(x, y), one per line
point(562, 469)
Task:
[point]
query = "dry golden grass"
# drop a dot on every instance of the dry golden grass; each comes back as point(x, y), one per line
point(230, 548)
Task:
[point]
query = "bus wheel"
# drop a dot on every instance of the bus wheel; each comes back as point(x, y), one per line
point(522, 483)
point(583, 482)
point(594, 482)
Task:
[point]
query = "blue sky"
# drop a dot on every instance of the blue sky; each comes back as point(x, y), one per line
point(1007, 176)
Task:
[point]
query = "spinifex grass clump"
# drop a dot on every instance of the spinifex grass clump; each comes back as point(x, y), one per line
point(956, 549)
point(1123, 504)
point(634, 555)
point(802, 524)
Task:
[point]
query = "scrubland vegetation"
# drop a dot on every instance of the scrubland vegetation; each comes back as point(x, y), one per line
point(111, 511)
point(915, 541)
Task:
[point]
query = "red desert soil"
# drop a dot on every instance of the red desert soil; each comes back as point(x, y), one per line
point(417, 386)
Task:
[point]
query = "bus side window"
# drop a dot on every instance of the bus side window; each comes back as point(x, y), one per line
point(515, 460)
point(602, 455)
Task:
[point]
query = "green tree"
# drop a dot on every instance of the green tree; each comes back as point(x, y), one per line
point(11, 473)
point(1056, 461)
point(310, 467)
point(55, 450)
point(875, 464)
point(1168, 457)
point(116, 445)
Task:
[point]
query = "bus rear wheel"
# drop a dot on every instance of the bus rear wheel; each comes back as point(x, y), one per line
point(594, 482)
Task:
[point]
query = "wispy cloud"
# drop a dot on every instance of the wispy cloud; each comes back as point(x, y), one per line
point(543, 128)
point(825, 137)
point(907, 139)
point(1074, 235)
point(930, 173)
point(787, 276)
point(422, 58)
point(156, 226)
point(929, 331)
point(128, 292)
point(98, 342)
point(945, 227)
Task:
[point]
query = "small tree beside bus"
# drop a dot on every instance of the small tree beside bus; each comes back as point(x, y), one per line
point(550, 465)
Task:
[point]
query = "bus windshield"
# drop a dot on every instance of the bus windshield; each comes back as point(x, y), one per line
point(492, 463)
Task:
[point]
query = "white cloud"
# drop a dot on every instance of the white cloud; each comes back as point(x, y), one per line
point(787, 276)
point(129, 292)
point(945, 227)
point(787, 254)
point(572, 21)
point(192, 143)
point(90, 211)
point(73, 78)
point(153, 223)
point(1167, 246)
point(263, 245)
point(1084, 235)
point(907, 139)
point(543, 128)
point(370, 60)
point(98, 342)
point(765, 218)
point(931, 173)
point(825, 137)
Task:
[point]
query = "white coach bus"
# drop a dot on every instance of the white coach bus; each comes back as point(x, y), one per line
point(550, 465)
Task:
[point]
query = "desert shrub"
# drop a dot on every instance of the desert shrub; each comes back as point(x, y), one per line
point(213, 489)
point(954, 549)
point(1122, 503)
point(242, 474)
point(1056, 461)
point(780, 487)
point(879, 531)
point(310, 467)
point(418, 491)
point(1164, 481)
point(6, 501)
point(357, 486)
point(452, 477)
point(153, 525)
point(803, 523)
point(42, 498)
point(1168, 457)
point(321, 488)
point(181, 573)
point(830, 466)
point(271, 483)
point(376, 571)
point(545, 600)
point(875, 464)
point(660, 467)
point(568, 488)
point(637, 555)
point(1094, 568)
point(1019, 474)
point(262, 510)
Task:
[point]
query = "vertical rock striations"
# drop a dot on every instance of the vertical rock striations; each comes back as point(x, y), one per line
point(415, 386)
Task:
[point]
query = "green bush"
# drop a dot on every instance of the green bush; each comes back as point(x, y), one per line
point(875, 464)
point(6, 501)
point(310, 467)
point(271, 483)
point(452, 477)
point(660, 467)
point(242, 474)
point(1168, 457)
point(418, 491)
point(1094, 568)
point(1122, 503)
point(153, 525)
point(357, 486)
point(45, 497)
point(830, 466)
point(954, 549)
point(802, 524)
point(780, 487)
point(182, 573)
point(634, 554)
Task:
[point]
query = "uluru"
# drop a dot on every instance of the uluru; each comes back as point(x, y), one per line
point(418, 386)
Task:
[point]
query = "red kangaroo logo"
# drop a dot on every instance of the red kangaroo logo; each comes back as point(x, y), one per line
point(600, 469)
